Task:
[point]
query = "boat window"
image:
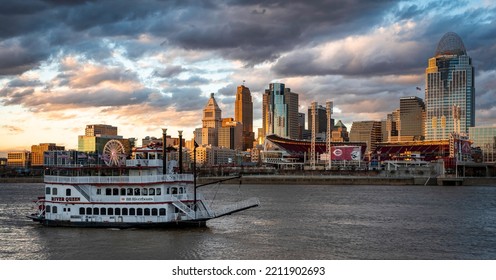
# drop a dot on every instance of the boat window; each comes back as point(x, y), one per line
point(47, 191)
point(115, 191)
point(118, 211)
point(103, 211)
point(98, 191)
point(96, 211)
point(124, 211)
point(123, 191)
point(159, 191)
point(48, 209)
point(139, 211)
point(147, 211)
point(136, 191)
point(54, 209)
point(161, 211)
point(154, 212)
point(81, 210)
point(54, 191)
point(174, 190)
point(144, 191)
point(68, 192)
point(129, 191)
point(110, 211)
point(132, 211)
point(108, 191)
point(88, 211)
point(181, 190)
point(151, 191)
point(168, 191)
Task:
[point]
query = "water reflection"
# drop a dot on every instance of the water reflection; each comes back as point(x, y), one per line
point(292, 222)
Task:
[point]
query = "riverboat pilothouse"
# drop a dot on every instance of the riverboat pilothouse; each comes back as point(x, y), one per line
point(142, 192)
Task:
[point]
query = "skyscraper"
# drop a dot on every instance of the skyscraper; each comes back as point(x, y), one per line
point(280, 111)
point(243, 113)
point(412, 118)
point(449, 89)
point(320, 118)
point(211, 122)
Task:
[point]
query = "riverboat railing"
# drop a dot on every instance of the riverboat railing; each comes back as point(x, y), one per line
point(144, 162)
point(119, 179)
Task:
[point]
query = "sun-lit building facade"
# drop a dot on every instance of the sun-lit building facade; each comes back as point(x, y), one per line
point(280, 111)
point(19, 159)
point(243, 113)
point(211, 123)
point(37, 152)
point(449, 90)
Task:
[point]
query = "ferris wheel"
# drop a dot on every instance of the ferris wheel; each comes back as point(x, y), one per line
point(114, 153)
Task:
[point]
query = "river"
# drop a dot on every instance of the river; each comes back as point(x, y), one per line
point(293, 222)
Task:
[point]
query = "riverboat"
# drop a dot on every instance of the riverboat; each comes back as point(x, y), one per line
point(142, 192)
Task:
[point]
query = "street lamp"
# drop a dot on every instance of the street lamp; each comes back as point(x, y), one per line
point(180, 151)
point(164, 153)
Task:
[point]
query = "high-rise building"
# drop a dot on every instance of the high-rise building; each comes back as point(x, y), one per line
point(37, 152)
point(212, 114)
point(96, 137)
point(368, 132)
point(280, 111)
point(320, 119)
point(231, 134)
point(211, 123)
point(392, 124)
point(301, 125)
point(243, 113)
point(449, 90)
point(100, 129)
point(412, 118)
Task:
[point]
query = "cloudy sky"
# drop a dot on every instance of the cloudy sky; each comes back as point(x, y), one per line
point(145, 65)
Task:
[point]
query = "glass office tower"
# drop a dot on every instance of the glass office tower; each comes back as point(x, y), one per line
point(449, 90)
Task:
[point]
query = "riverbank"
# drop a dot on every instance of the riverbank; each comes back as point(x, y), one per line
point(353, 180)
point(323, 180)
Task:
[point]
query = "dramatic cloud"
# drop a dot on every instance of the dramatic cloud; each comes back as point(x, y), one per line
point(156, 62)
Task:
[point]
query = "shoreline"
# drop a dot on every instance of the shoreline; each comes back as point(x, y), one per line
point(323, 180)
point(356, 180)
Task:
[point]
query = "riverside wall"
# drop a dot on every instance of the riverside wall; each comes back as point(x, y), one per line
point(348, 180)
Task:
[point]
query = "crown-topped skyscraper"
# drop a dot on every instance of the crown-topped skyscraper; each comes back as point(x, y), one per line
point(449, 89)
point(211, 122)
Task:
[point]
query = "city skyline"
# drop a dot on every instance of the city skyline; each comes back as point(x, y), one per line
point(145, 66)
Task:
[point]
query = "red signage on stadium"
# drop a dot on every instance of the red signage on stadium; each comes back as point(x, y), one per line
point(346, 153)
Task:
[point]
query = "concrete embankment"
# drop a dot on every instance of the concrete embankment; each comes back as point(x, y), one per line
point(317, 180)
point(347, 180)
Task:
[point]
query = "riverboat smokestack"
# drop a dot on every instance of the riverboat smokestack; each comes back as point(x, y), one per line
point(164, 153)
point(180, 152)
